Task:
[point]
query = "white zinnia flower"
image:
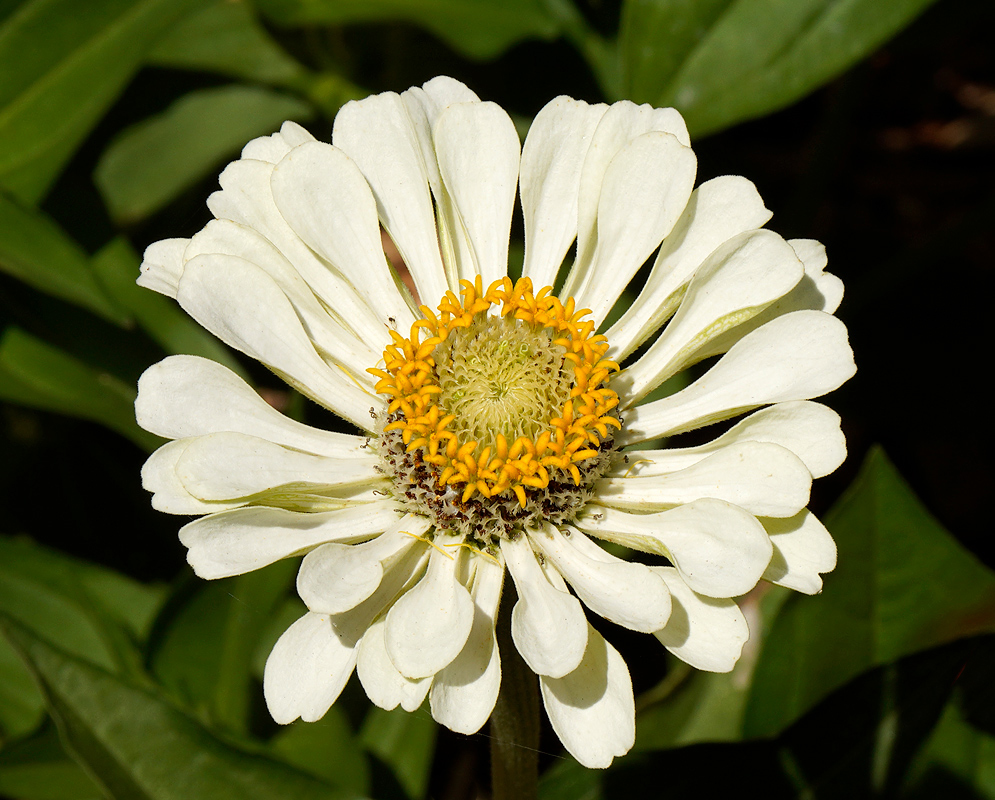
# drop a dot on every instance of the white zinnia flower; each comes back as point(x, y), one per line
point(494, 421)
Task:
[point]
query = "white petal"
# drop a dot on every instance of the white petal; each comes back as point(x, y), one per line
point(464, 693)
point(244, 539)
point(740, 279)
point(809, 430)
point(824, 290)
point(247, 198)
point(478, 152)
point(379, 135)
point(326, 200)
point(185, 396)
point(643, 192)
point(169, 495)
point(552, 160)
point(383, 684)
point(592, 709)
point(802, 549)
point(227, 466)
point(245, 308)
point(272, 148)
point(716, 211)
point(307, 670)
point(795, 357)
point(162, 266)
point(719, 549)
point(428, 626)
point(548, 625)
point(762, 478)
point(334, 578)
point(620, 124)
point(331, 337)
point(626, 593)
point(706, 632)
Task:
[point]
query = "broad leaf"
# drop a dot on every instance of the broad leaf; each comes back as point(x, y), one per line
point(405, 743)
point(903, 584)
point(34, 249)
point(206, 637)
point(38, 768)
point(154, 161)
point(60, 70)
point(724, 61)
point(957, 756)
point(116, 267)
point(327, 749)
point(90, 611)
point(476, 28)
point(225, 37)
point(36, 374)
point(138, 746)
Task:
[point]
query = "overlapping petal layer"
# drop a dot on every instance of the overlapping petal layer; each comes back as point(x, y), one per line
point(399, 587)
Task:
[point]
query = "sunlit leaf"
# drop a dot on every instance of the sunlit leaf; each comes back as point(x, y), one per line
point(116, 267)
point(957, 756)
point(476, 28)
point(225, 37)
point(723, 61)
point(405, 743)
point(34, 249)
point(37, 374)
point(60, 70)
point(903, 584)
point(138, 746)
point(154, 161)
point(204, 642)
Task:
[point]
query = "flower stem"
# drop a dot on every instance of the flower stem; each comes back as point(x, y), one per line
point(514, 721)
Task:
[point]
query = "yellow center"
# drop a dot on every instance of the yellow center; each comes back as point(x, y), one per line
point(496, 402)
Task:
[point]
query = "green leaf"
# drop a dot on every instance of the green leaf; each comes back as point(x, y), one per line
point(568, 780)
point(89, 610)
point(405, 743)
point(37, 374)
point(476, 28)
point(327, 749)
point(139, 747)
point(116, 267)
point(903, 584)
point(959, 750)
point(154, 161)
point(724, 61)
point(35, 250)
point(60, 69)
point(225, 37)
point(38, 768)
point(206, 638)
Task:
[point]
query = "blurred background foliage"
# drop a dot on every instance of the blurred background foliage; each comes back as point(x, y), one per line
point(869, 124)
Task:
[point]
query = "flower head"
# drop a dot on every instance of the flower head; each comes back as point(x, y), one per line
point(496, 421)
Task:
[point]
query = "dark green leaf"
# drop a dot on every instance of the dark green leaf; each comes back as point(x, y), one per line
point(37, 251)
point(903, 584)
point(958, 750)
point(405, 743)
point(327, 749)
point(37, 374)
point(89, 610)
point(116, 266)
point(61, 67)
point(38, 768)
point(568, 780)
point(476, 28)
point(139, 747)
point(207, 636)
point(724, 61)
point(156, 160)
point(225, 37)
